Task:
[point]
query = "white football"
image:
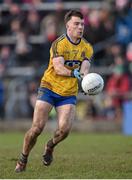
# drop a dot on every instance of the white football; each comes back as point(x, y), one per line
point(92, 84)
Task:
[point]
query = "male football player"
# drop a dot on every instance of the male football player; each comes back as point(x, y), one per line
point(70, 57)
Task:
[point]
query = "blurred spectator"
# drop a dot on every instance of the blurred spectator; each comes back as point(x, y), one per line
point(129, 56)
point(4, 22)
point(23, 50)
point(117, 88)
point(52, 1)
point(108, 110)
point(16, 12)
point(49, 30)
point(93, 30)
point(90, 112)
point(107, 22)
point(100, 26)
point(33, 23)
point(15, 27)
point(49, 27)
point(2, 110)
point(9, 2)
point(85, 11)
point(17, 99)
point(33, 2)
point(129, 52)
point(27, 1)
point(59, 13)
point(123, 21)
point(116, 50)
point(112, 51)
point(32, 94)
point(6, 59)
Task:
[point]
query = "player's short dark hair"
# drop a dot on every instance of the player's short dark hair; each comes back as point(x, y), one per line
point(69, 14)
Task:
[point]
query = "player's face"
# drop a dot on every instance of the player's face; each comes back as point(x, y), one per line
point(75, 27)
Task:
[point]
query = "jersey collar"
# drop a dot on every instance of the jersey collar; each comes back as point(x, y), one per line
point(72, 41)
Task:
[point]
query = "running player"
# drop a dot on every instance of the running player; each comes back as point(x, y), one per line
point(70, 56)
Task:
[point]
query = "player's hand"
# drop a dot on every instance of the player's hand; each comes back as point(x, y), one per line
point(75, 73)
point(83, 92)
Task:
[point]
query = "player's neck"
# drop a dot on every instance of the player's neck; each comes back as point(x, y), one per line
point(73, 40)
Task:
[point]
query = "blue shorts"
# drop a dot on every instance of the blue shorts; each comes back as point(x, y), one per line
point(54, 99)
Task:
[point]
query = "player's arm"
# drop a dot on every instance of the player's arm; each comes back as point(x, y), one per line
point(57, 49)
point(85, 66)
point(58, 62)
point(60, 69)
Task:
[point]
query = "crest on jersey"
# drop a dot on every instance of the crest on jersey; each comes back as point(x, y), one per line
point(72, 64)
point(83, 54)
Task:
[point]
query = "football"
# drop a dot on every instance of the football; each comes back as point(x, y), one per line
point(92, 84)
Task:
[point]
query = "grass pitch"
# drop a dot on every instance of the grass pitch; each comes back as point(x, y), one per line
point(80, 156)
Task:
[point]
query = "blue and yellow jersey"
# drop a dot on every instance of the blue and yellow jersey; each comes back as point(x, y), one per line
point(73, 55)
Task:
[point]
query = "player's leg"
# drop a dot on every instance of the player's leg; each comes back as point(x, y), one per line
point(66, 114)
point(40, 117)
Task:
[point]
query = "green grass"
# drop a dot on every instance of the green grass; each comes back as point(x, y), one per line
point(80, 156)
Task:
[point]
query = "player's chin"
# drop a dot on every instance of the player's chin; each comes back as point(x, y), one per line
point(79, 36)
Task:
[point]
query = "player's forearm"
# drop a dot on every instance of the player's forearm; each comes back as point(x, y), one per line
point(62, 71)
point(85, 67)
point(60, 68)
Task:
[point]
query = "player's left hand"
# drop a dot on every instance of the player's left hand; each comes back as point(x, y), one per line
point(83, 92)
point(75, 73)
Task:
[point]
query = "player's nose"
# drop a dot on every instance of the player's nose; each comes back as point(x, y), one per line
point(80, 26)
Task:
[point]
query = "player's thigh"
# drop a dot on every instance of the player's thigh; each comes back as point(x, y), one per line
point(66, 115)
point(41, 112)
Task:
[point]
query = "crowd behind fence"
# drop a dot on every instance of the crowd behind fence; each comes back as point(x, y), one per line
point(27, 30)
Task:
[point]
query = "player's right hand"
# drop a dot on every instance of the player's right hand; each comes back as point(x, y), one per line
point(75, 73)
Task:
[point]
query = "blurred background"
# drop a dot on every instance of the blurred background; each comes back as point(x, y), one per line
point(27, 29)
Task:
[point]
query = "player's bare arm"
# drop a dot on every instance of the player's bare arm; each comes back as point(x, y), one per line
point(60, 69)
point(85, 66)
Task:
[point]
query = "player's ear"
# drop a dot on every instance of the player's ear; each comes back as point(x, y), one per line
point(67, 25)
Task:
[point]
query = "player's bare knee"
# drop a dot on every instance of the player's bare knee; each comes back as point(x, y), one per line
point(36, 131)
point(65, 130)
point(62, 133)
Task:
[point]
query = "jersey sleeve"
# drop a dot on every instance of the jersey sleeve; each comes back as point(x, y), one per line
point(89, 52)
point(57, 49)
